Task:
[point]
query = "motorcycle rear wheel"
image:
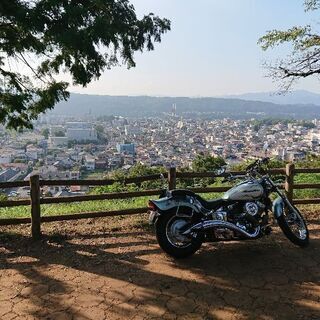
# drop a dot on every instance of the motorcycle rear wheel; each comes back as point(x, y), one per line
point(173, 242)
point(294, 226)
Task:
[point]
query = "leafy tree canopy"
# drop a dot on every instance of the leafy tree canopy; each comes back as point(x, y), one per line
point(59, 133)
point(205, 163)
point(45, 132)
point(304, 60)
point(80, 37)
point(137, 170)
point(273, 163)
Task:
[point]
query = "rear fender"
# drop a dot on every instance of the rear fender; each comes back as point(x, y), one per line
point(168, 203)
point(278, 207)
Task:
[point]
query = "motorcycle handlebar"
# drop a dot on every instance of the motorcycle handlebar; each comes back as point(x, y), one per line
point(232, 177)
point(257, 163)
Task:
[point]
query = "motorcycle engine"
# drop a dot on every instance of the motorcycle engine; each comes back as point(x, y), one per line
point(246, 215)
point(254, 208)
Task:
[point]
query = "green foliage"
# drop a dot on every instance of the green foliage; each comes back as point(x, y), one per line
point(3, 197)
point(205, 163)
point(311, 161)
point(71, 144)
point(45, 132)
point(273, 163)
point(311, 4)
point(82, 38)
point(59, 133)
point(308, 124)
point(76, 207)
point(100, 133)
point(185, 183)
point(106, 118)
point(304, 60)
point(19, 161)
point(135, 171)
point(258, 123)
point(307, 178)
point(141, 170)
point(276, 37)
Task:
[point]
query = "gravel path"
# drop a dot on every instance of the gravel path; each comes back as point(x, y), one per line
point(88, 272)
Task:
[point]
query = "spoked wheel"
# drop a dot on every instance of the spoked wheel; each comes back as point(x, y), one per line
point(169, 229)
point(294, 227)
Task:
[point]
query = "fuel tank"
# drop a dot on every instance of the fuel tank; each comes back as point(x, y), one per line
point(247, 190)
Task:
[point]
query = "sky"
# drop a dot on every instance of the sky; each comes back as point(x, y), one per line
point(211, 50)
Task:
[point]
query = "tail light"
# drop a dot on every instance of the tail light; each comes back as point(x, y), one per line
point(151, 206)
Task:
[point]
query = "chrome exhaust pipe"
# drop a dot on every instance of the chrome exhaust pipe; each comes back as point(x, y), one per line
point(221, 224)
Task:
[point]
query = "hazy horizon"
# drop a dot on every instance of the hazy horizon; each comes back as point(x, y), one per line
point(231, 95)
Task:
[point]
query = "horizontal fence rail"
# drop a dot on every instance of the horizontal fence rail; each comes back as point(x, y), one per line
point(171, 176)
point(105, 196)
point(14, 184)
point(100, 182)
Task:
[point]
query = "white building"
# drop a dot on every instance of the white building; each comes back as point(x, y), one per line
point(81, 134)
point(78, 125)
point(5, 158)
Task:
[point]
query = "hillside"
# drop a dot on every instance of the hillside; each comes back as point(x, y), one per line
point(129, 106)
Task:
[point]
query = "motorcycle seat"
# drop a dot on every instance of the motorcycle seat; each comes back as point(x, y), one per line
point(212, 204)
point(208, 204)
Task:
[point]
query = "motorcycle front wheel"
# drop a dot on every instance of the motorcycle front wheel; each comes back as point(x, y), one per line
point(169, 228)
point(294, 226)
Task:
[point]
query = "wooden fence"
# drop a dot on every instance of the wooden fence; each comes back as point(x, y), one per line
point(172, 175)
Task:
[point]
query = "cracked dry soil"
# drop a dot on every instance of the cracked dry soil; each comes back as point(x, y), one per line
point(87, 270)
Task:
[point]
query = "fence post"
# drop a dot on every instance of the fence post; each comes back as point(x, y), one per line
point(172, 178)
point(35, 207)
point(289, 181)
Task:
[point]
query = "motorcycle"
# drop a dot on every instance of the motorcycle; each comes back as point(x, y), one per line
point(184, 220)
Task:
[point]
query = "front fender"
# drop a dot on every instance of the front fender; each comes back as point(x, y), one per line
point(278, 207)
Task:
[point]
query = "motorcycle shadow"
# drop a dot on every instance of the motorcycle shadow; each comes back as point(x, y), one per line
point(268, 274)
point(274, 251)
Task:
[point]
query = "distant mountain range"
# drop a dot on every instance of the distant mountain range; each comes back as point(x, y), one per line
point(252, 105)
point(294, 97)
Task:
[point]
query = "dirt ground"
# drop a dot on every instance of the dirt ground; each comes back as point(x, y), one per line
point(91, 269)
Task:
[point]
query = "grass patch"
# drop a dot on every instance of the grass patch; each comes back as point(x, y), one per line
point(306, 193)
point(76, 207)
